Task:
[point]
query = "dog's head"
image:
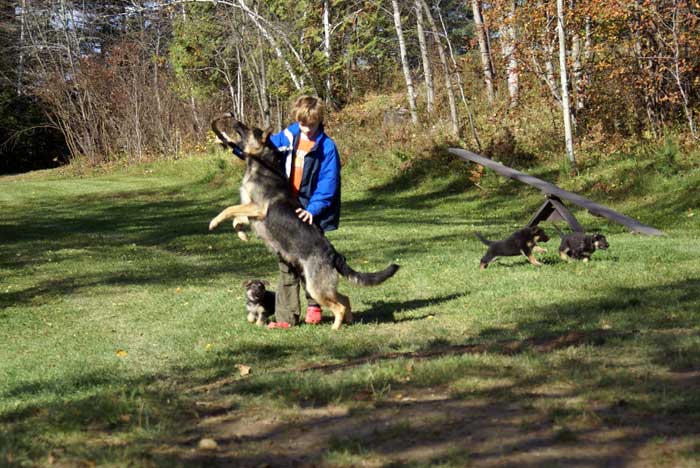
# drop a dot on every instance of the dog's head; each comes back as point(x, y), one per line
point(244, 141)
point(600, 242)
point(538, 234)
point(255, 289)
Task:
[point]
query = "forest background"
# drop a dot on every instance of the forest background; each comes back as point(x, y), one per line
point(97, 82)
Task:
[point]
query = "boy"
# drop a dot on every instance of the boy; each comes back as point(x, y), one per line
point(312, 165)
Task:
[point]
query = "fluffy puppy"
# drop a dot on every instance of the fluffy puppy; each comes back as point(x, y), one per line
point(580, 246)
point(260, 303)
point(522, 242)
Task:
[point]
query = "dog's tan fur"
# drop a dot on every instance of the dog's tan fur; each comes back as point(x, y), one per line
point(267, 203)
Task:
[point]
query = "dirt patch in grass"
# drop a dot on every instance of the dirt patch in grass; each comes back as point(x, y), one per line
point(428, 428)
point(542, 425)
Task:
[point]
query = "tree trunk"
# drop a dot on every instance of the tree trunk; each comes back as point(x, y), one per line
point(568, 135)
point(404, 62)
point(20, 58)
point(446, 69)
point(508, 49)
point(327, 49)
point(677, 73)
point(298, 84)
point(484, 51)
point(427, 69)
point(239, 84)
point(577, 84)
point(460, 85)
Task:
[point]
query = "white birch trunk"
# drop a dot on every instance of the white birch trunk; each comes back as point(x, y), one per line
point(577, 71)
point(568, 135)
point(404, 63)
point(446, 69)
point(677, 71)
point(298, 83)
point(460, 85)
point(508, 49)
point(239, 84)
point(327, 48)
point(548, 74)
point(427, 69)
point(484, 51)
point(263, 90)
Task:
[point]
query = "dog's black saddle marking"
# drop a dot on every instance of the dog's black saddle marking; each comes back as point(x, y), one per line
point(553, 208)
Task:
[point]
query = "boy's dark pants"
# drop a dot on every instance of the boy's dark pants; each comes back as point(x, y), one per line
point(287, 307)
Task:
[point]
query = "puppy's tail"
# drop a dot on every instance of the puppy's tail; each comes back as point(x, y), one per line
point(363, 279)
point(482, 238)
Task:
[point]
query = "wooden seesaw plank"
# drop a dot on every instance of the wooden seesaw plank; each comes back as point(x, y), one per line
point(551, 190)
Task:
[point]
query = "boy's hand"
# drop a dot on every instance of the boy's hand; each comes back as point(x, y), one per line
point(305, 215)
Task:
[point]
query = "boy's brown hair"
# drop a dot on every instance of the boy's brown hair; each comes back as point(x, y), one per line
point(308, 110)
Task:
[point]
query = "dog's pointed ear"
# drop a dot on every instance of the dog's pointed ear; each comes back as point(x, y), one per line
point(265, 282)
point(266, 135)
point(245, 283)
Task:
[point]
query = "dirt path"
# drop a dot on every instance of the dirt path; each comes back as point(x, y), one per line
point(436, 427)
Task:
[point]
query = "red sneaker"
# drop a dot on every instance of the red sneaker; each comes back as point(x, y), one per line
point(313, 315)
point(273, 325)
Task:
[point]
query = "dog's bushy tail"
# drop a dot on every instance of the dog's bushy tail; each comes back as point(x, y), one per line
point(363, 279)
point(482, 238)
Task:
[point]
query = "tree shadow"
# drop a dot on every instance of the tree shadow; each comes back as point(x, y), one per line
point(500, 423)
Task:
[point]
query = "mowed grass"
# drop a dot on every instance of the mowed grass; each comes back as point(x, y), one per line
point(122, 320)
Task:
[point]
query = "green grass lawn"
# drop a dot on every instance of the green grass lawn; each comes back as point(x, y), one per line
point(123, 326)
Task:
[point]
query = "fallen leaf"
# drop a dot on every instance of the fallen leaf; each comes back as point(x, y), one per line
point(121, 353)
point(243, 369)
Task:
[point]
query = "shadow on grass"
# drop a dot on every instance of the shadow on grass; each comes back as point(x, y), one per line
point(506, 421)
point(489, 423)
point(382, 311)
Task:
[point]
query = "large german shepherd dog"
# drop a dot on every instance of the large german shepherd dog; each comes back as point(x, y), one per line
point(267, 202)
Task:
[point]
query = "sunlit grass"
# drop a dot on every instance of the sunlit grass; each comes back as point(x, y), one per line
point(115, 302)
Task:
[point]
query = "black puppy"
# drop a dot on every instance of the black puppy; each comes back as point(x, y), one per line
point(260, 303)
point(580, 246)
point(520, 242)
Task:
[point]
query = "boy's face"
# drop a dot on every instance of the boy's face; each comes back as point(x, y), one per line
point(309, 130)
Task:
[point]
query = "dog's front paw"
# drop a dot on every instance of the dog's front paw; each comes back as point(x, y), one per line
point(213, 224)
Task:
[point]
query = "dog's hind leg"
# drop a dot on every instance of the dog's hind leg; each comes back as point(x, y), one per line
point(340, 305)
point(250, 210)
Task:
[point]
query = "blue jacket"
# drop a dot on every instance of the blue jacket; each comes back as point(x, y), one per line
point(319, 193)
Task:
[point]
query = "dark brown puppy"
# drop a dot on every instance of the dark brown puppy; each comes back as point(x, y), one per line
point(268, 204)
point(522, 242)
point(580, 246)
point(259, 302)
